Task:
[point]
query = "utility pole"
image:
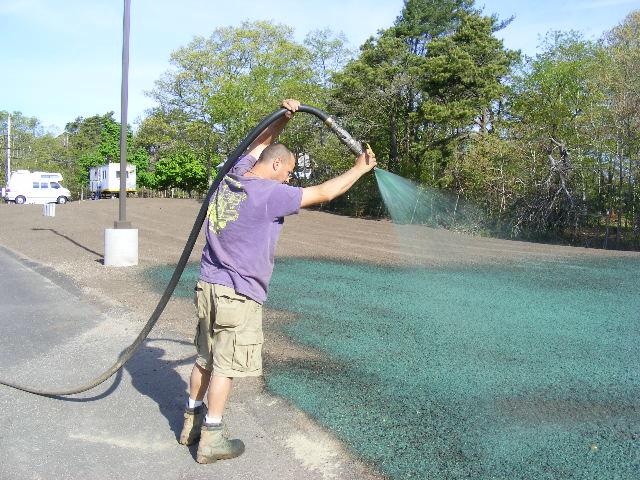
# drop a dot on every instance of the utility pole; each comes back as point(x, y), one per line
point(124, 103)
point(8, 167)
point(121, 242)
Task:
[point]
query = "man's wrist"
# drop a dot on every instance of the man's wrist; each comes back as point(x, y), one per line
point(360, 170)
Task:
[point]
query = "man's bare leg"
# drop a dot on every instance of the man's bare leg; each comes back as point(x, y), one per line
point(199, 382)
point(219, 390)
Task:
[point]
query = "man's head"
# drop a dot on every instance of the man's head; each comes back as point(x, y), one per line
point(277, 163)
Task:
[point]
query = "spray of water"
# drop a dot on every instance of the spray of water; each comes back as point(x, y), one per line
point(410, 203)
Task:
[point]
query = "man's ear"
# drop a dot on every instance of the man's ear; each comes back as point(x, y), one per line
point(276, 164)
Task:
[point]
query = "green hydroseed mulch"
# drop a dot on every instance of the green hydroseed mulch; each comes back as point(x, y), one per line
point(527, 371)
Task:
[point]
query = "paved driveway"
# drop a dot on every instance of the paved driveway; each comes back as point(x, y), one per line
point(127, 428)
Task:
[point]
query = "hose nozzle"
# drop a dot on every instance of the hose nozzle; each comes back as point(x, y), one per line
point(354, 145)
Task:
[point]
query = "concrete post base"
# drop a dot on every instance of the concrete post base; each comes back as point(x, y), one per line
point(120, 247)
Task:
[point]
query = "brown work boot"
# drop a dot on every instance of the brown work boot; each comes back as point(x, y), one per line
point(215, 446)
point(193, 420)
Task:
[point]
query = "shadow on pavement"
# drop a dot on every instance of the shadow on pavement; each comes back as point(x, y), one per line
point(154, 377)
point(157, 378)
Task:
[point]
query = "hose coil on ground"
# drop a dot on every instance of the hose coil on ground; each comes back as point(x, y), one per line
point(128, 352)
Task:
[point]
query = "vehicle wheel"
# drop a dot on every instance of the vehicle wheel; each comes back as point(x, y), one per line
point(62, 200)
point(20, 200)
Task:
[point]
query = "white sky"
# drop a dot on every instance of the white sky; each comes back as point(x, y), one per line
point(61, 60)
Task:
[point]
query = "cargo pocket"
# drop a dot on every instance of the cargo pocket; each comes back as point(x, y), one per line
point(196, 338)
point(231, 309)
point(198, 301)
point(247, 352)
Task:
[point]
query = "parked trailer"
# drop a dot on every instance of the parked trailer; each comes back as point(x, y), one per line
point(104, 181)
point(36, 187)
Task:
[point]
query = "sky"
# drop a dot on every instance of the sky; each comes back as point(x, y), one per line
point(61, 60)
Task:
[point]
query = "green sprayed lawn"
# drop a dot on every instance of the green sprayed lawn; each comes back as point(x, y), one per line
point(527, 371)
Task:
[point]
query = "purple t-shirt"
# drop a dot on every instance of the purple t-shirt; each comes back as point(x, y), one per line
point(244, 220)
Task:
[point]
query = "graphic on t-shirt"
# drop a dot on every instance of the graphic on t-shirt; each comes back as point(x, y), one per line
point(223, 209)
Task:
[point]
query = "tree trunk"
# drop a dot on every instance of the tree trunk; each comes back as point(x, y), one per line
point(621, 208)
point(393, 141)
point(483, 122)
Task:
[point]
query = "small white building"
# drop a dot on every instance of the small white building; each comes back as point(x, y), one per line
point(104, 181)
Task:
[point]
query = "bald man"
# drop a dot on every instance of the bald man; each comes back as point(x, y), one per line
point(244, 220)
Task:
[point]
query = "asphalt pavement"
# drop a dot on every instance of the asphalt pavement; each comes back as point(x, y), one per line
point(52, 336)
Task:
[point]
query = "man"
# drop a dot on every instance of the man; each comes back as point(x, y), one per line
point(244, 220)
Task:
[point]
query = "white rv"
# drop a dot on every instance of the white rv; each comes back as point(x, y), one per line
point(36, 187)
point(104, 181)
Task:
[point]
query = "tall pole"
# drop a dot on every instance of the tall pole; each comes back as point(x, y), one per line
point(8, 170)
point(121, 242)
point(124, 101)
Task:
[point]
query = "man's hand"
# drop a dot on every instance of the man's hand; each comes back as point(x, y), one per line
point(270, 134)
point(335, 187)
point(291, 105)
point(366, 161)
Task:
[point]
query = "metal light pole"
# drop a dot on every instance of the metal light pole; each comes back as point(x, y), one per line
point(124, 104)
point(8, 170)
point(121, 242)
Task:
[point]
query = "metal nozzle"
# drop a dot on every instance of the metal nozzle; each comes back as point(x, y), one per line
point(353, 144)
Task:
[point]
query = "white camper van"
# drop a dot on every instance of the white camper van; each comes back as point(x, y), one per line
point(104, 181)
point(36, 187)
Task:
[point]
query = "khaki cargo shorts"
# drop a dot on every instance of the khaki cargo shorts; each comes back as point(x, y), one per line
point(229, 334)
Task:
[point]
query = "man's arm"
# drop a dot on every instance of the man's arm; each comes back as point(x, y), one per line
point(337, 186)
point(271, 133)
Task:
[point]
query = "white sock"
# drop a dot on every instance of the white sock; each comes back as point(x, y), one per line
point(193, 403)
point(212, 420)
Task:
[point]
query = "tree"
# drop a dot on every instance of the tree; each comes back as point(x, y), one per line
point(421, 88)
point(181, 170)
point(221, 86)
point(24, 131)
point(620, 76)
point(555, 104)
point(463, 85)
point(96, 141)
point(328, 55)
point(32, 148)
point(82, 138)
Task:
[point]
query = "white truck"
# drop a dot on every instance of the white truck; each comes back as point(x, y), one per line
point(36, 187)
point(104, 180)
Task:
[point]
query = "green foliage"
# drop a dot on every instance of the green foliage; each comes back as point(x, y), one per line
point(97, 140)
point(328, 55)
point(621, 126)
point(221, 86)
point(556, 101)
point(420, 87)
point(462, 73)
point(82, 138)
point(24, 131)
point(548, 146)
point(182, 170)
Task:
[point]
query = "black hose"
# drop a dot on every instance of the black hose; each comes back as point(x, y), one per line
point(126, 354)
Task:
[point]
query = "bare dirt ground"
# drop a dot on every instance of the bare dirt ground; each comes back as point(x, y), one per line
point(72, 243)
